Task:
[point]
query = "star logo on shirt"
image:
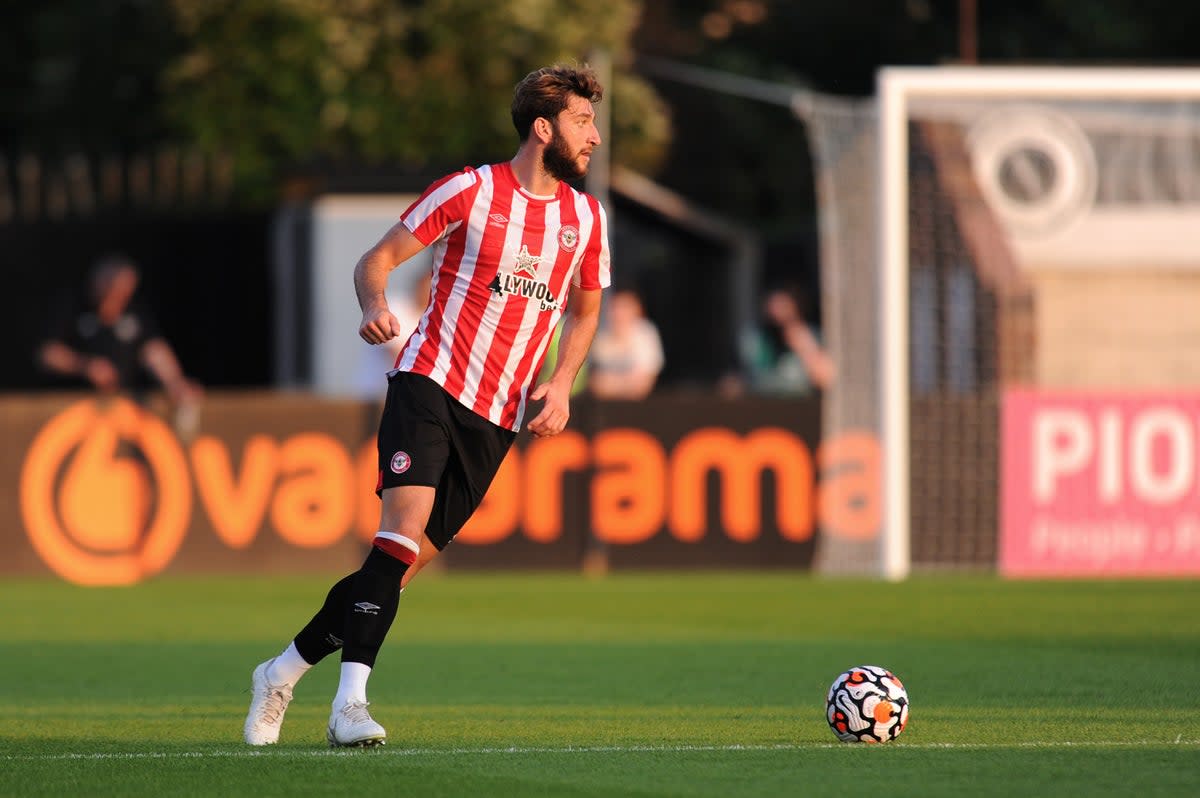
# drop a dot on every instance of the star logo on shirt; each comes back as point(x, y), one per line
point(526, 263)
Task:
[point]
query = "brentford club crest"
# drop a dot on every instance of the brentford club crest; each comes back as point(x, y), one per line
point(400, 462)
point(568, 237)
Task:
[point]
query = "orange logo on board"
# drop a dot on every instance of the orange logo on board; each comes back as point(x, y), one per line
point(104, 493)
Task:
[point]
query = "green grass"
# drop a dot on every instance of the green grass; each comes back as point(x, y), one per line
point(635, 685)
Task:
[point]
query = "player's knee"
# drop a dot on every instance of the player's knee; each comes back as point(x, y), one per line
point(396, 546)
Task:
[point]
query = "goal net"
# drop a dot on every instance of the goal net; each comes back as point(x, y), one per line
point(983, 230)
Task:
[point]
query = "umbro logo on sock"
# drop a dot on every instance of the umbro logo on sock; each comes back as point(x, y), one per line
point(367, 608)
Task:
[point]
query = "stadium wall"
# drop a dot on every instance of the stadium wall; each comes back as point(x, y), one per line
point(106, 492)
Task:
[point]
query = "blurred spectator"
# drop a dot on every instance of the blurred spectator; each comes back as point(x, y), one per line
point(627, 354)
point(786, 355)
point(109, 339)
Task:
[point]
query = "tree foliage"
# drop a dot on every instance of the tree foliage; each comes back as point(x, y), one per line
point(82, 76)
point(425, 82)
point(756, 164)
point(280, 82)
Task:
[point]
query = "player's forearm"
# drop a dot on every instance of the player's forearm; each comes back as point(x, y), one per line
point(62, 359)
point(160, 359)
point(371, 271)
point(816, 361)
point(370, 279)
point(577, 334)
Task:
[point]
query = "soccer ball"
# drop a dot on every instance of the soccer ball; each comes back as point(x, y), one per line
point(866, 704)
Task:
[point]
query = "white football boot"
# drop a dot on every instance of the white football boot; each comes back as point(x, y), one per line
point(352, 725)
point(268, 702)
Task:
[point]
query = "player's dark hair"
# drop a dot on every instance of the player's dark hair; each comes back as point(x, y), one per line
point(545, 93)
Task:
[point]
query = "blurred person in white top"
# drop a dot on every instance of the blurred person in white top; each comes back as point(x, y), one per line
point(627, 354)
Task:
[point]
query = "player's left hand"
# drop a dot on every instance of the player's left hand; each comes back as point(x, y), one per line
point(556, 409)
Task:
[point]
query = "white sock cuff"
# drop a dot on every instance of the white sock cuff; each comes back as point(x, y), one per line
point(352, 686)
point(407, 543)
point(288, 667)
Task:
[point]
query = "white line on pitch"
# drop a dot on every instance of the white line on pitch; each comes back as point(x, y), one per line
point(589, 749)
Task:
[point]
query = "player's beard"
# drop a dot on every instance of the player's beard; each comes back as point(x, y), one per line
point(558, 161)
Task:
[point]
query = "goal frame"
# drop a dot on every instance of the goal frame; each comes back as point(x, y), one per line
point(895, 89)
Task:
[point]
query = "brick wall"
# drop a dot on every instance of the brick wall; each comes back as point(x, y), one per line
point(1136, 328)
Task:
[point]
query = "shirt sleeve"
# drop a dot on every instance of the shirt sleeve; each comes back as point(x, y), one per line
point(442, 205)
point(594, 270)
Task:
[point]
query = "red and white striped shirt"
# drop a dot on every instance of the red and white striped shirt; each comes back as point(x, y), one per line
point(503, 263)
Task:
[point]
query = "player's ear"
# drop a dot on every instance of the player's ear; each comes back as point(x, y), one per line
point(544, 129)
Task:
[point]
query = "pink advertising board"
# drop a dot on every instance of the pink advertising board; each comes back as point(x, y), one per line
point(1100, 484)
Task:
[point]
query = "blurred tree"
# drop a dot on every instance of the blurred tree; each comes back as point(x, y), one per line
point(284, 82)
point(836, 46)
point(278, 82)
point(756, 163)
point(82, 76)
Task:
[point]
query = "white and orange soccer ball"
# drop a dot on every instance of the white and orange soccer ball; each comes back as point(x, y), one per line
point(867, 704)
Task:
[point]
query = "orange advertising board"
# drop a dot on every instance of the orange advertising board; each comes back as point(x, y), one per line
point(103, 492)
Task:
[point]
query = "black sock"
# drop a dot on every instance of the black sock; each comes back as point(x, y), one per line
point(326, 631)
point(370, 607)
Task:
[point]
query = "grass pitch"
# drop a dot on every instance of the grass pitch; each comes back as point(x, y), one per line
point(706, 684)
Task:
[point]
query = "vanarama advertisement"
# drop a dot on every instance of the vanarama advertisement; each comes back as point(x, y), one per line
point(103, 492)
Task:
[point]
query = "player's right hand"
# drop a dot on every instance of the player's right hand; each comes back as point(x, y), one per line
point(379, 326)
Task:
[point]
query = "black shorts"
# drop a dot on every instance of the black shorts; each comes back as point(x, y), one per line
point(427, 437)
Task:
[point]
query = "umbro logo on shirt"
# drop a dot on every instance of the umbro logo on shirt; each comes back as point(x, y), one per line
point(498, 220)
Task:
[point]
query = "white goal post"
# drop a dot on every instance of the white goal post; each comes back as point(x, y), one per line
point(1099, 162)
point(899, 91)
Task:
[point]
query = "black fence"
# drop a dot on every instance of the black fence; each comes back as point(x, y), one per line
point(205, 273)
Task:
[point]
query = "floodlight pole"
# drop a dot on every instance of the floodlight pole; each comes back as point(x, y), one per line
point(599, 170)
point(745, 272)
point(968, 32)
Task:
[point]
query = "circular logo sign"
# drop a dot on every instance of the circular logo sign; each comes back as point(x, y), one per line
point(568, 237)
point(400, 462)
point(1035, 166)
point(105, 494)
